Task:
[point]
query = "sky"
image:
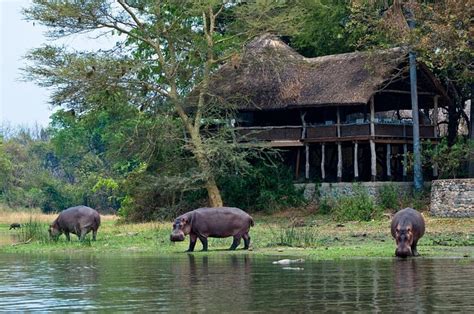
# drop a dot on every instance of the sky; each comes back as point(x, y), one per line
point(24, 103)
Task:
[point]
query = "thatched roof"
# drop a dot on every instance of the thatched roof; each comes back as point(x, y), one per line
point(271, 75)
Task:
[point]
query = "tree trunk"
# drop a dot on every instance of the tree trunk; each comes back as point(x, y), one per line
point(214, 195)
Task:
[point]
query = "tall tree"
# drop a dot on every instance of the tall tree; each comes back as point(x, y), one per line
point(167, 49)
point(442, 39)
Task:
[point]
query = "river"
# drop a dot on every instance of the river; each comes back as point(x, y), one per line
point(232, 283)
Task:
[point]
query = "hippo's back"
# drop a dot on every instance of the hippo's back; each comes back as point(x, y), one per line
point(81, 215)
point(408, 216)
point(220, 221)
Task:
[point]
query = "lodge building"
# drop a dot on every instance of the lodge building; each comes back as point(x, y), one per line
point(344, 117)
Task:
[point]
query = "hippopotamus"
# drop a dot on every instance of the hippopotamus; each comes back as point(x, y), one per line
point(216, 222)
point(14, 226)
point(407, 227)
point(79, 220)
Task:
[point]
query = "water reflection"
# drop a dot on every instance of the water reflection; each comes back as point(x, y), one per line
point(232, 283)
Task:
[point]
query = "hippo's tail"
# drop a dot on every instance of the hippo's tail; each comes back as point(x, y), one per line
point(252, 223)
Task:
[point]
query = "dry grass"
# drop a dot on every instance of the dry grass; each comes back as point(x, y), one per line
point(25, 215)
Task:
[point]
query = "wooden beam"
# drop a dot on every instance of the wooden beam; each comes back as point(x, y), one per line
point(339, 162)
point(389, 161)
point(303, 132)
point(394, 91)
point(297, 170)
point(373, 157)
point(405, 161)
point(339, 148)
point(323, 155)
point(356, 161)
point(306, 170)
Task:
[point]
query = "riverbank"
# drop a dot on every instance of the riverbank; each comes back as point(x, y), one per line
point(283, 234)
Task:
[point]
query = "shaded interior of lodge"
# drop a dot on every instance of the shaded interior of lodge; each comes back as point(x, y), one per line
point(343, 117)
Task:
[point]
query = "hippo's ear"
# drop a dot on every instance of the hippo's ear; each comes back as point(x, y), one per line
point(185, 220)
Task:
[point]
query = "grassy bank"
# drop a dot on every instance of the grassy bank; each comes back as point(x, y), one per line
point(285, 234)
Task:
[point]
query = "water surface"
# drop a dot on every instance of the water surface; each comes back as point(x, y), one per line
point(232, 283)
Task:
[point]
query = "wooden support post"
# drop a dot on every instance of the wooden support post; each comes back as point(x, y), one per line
point(323, 154)
point(389, 161)
point(405, 161)
point(435, 124)
point(373, 157)
point(356, 161)
point(339, 162)
point(297, 170)
point(306, 169)
point(339, 147)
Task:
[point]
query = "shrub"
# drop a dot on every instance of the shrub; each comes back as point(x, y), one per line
point(265, 187)
point(388, 196)
point(359, 206)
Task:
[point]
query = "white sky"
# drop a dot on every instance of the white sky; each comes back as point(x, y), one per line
point(24, 103)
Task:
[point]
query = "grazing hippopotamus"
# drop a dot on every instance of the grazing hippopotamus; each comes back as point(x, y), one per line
point(218, 222)
point(79, 220)
point(407, 227)
point(14, 226)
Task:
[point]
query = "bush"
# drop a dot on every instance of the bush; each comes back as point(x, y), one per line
point(360, 206)
point(388, 196)
point(264, 187)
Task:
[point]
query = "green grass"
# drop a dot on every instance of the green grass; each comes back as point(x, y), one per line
point(285, 234)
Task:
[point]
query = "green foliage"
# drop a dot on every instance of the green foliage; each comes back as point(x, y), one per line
point(451, 159)
point(389, 197)
point(359, 206)
point(263, 187)
point(323, 30)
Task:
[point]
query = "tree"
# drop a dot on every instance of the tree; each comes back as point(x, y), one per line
point(442, 40)
point(167, 49)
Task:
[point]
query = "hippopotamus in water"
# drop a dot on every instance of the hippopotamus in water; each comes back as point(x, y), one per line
point(79, 220)
point(14, 226)
point(407, 227)
point(218, 222)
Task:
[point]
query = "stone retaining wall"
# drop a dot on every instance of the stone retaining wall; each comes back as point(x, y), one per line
point(347, 188)
point(452, 198)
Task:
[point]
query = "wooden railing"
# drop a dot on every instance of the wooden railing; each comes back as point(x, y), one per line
point(273, 133)
point(279, 133)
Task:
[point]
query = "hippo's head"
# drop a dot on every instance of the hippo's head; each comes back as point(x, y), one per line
point(181, 227)
point(404, 239)
point(54, 231)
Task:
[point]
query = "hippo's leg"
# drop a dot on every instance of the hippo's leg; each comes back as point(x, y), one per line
point(204, 242)
point(83, 233)
point(246, 241)
point(192, 242)
point(94, 234)
point(67, 236)
point(413, 249)
point(235, 243)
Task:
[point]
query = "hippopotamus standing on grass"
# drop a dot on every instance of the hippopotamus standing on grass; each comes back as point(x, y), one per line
point(79, 220)
point(407, 227)
point(218, 222)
